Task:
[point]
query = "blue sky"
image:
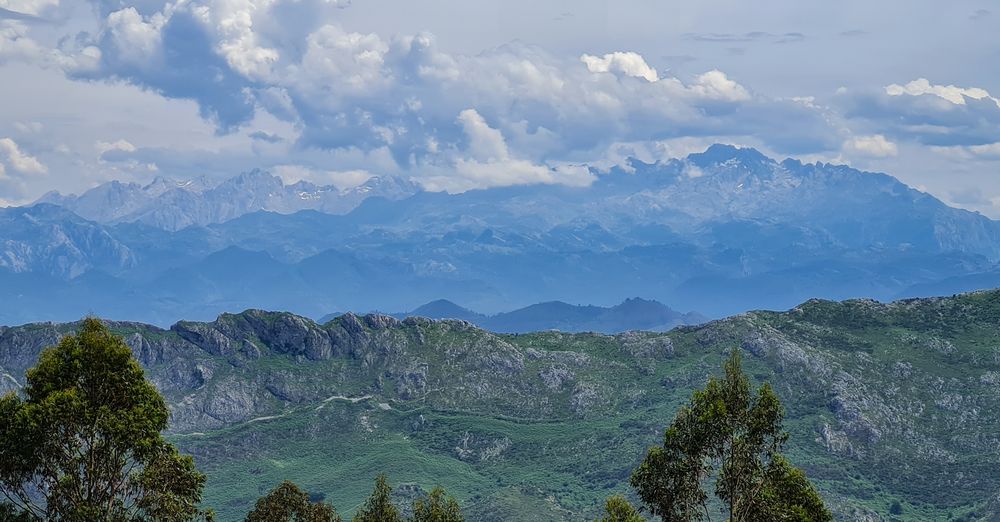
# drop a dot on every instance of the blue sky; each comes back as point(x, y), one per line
point(461, 95)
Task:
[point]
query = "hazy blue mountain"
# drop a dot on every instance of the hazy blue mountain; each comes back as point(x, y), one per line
point(445, 309)
point(632, 314)
point(50, 240)
point(174, 205)
point(720, 232)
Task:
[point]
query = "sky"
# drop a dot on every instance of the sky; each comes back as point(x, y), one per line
point(475, 94)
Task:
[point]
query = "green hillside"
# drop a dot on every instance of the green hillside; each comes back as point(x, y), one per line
point(886, 402)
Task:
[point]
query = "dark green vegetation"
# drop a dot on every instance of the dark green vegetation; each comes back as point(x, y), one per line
point(885, 403)
point(729, 433)
point(288, 503)
point(85, 444)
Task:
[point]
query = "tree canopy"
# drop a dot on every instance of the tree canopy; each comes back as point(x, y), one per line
point(288, 503)
point(729, 433)
point(379, 506)
point(83, 441)
point(437, 508)
point(618, 509)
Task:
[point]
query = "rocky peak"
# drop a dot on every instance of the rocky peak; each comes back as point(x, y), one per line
point(722, 154)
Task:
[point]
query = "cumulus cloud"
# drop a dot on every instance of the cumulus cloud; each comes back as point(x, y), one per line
point(398, 96)
point(628, 63)
point(487, 162)
point(715, 85)
point(930, 114)
point(876, 146)
point(956, 95)
point(346, 89)
point(136, 39)
point(19, 161)
point(485, 142)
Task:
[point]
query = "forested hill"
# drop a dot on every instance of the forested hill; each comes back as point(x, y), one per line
point(886, 403)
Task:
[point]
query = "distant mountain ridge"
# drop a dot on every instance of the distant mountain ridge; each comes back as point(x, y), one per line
point(632, 314)
point(173, 205)
point(720, 232)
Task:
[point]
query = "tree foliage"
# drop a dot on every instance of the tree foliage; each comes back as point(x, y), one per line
point(83, 442)
point(288, 503)
point(379, 506)
point(618, 509)
point(437, 508)
point(734, 435)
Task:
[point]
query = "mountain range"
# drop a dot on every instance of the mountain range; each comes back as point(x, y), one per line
point(721, 232)
point(892, 409)
point(173, 205)
point(631, 314)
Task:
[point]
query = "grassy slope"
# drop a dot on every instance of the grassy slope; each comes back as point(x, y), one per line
point(885, 402)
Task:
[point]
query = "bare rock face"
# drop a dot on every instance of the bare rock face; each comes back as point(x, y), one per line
point(642, 345)
point(556, 378)
point(481, 448)
point(8, 382)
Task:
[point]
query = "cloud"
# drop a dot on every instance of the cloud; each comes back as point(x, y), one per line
point(628, 63)
point(342, 89)
point(485, 142)
point(487, 162)
point(120, 145)
point(19, 161)
point(956, 95)
point(342, 179)
point(937, 115)
point(403, 98)
point(988, 151)
point(28, 7)
point(753, 36)
point(875, 146)
point(137, 41)
point(979, 14)
point(266, 137)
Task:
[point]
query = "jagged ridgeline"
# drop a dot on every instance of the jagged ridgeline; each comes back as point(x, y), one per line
point(891, 407)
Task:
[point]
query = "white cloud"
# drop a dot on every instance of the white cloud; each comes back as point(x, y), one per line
point(233, 24)
point(717, 86)
point(30, 7)
point(876, 146)
point(18, 160)
point(342, 179)
point(627, 63)
point(991, 150)
point(485, 142)
point(137, 40)
point(956, 95)
point(122, 145)
point(487, 162)
point(338, 63)
point(988, 151)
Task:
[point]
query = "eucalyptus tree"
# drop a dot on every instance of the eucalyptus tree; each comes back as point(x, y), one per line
point(731, 434)
point(82, 441)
